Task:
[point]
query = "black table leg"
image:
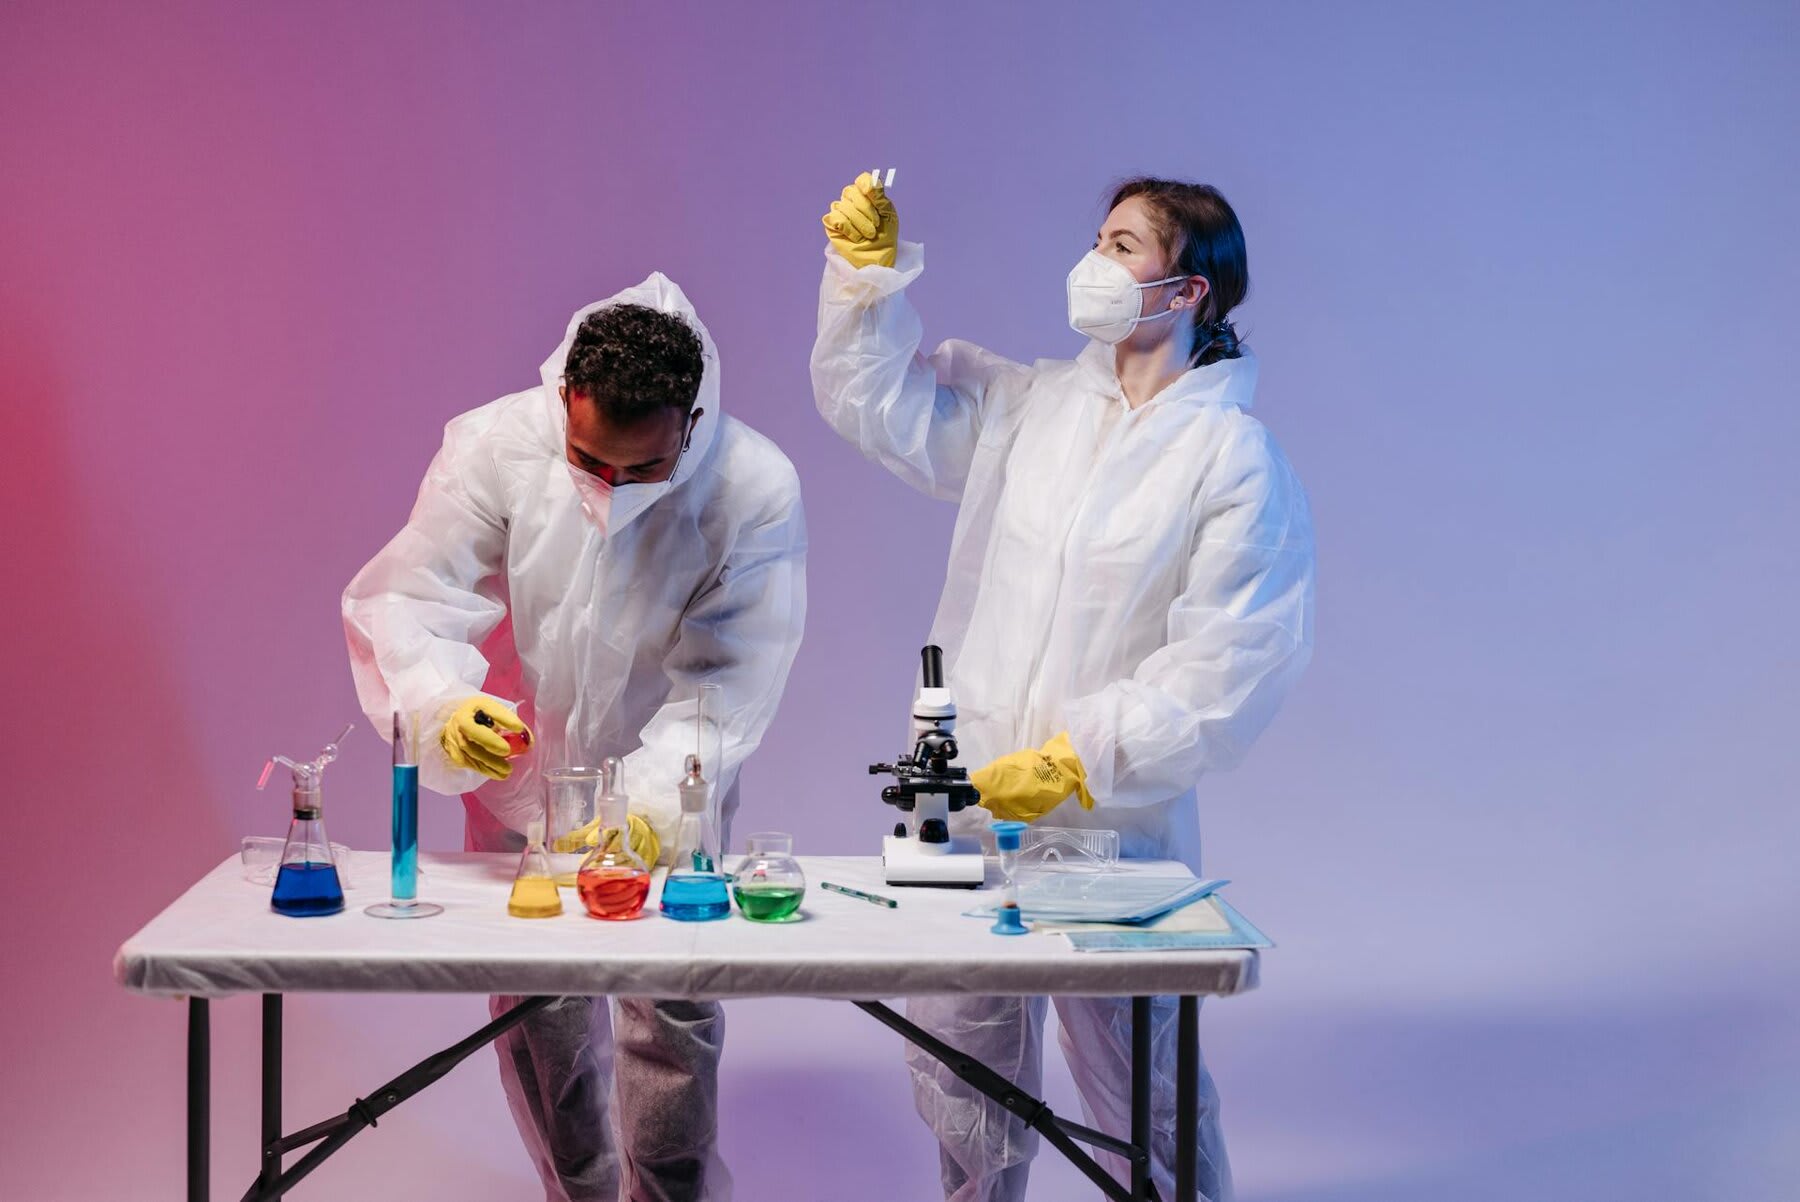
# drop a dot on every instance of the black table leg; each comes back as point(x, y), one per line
point(1187, 1100)
point(1140, 1096)
point(1059, 1132)
point(273, 1181)
point(271, 1089)
point(199, 1100)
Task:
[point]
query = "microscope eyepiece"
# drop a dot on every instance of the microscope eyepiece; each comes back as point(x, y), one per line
point(931, 671)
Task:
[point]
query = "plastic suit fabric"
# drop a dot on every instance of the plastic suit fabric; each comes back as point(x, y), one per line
point(501, 584)
point(1141, 578)
point(611, 1092)
point(984, 1154)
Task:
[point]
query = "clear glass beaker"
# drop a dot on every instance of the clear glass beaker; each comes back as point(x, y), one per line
point(261, 856)
point(768, 883)
point(570, 800)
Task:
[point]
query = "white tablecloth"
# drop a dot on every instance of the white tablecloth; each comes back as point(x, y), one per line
point(220, 937)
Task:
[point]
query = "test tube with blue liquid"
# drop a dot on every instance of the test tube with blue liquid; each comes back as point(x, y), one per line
point(403, 901)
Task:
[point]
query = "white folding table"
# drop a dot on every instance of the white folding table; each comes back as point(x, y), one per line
point(221, 938)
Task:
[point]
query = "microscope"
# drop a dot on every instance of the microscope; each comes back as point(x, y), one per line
point(928, 790)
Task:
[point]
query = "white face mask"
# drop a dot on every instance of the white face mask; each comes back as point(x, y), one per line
point(1105, 300)
point(596, 496)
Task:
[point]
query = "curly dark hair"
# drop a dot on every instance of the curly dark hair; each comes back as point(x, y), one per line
point(633, 360)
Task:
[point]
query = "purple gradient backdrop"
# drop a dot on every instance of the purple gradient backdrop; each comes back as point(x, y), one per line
point(1524, 294)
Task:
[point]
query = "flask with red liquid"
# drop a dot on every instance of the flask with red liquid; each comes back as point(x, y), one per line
point(613, 881)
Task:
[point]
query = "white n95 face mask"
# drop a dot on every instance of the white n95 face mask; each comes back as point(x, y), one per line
point(1105, 299)
point(596, 497)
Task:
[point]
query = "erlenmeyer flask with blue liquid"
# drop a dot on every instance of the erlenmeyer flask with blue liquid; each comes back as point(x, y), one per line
point(306, 884)
point(697, 889)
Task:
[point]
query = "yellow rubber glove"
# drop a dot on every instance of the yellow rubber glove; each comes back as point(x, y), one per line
point(1026, 785)
point(862, 224)
point(471, 742)
point(644, 843)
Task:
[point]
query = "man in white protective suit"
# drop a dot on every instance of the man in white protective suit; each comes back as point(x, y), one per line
point(599, 546)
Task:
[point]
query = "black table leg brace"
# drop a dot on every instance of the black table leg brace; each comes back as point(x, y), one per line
point(334, 1133)
point(1034, 1113)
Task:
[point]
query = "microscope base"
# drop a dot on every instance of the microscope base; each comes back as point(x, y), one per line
point(902, 863)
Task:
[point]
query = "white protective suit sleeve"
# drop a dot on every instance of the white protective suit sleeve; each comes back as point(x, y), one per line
point(919, 417)
point(740, 633)
point(1240, 633)
point(416, 615)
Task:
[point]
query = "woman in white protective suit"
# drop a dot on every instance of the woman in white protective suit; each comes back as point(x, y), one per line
point(600, 546)
point(1128, 598)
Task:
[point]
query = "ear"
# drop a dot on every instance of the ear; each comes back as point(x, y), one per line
point(1193, 293)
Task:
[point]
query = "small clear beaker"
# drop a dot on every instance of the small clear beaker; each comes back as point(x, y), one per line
point(768, 883)
point(261, 856)
point(570, 829)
